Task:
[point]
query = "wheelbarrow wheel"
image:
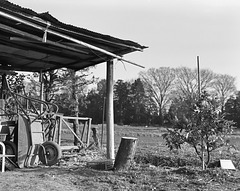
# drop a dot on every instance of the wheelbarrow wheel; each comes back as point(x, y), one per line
point(49, 153)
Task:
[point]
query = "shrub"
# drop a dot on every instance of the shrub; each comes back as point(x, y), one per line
point(205, 130)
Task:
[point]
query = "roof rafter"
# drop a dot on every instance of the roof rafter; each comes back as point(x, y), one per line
point(6, 15)
point(34, 37)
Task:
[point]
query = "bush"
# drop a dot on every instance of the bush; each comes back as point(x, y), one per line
point(205, 130)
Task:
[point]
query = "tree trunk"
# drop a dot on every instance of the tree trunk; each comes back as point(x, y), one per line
point(160, 117)
point(125, 153)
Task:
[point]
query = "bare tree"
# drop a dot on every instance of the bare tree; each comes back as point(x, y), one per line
point(187, 82)
point(224, 86)
point(206, 79)
point(158, 85)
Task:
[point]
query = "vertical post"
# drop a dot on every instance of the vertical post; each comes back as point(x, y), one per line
point(103, 116)
point(41, 89)
point(3, 86)
point(3, 155)
point(2, 96)
point(109, 111)
point(88, 130)
point(199, 82)
point(60, 129)
point(199, 95)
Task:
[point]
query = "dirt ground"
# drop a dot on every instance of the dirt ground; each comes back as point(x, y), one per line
point(145, 177)
point(154, 168)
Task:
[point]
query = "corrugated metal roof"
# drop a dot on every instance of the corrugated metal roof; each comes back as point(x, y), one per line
point(31, 41)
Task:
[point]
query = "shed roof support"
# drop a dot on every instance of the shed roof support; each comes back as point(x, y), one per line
point(109, 111)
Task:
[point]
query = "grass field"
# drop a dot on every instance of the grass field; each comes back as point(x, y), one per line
point(154, 168)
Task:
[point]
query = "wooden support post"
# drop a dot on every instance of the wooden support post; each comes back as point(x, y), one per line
point(3, 86)
point(125, 153)
point(95, 137)
point(55, 129)
point(88, 130)
point(103, 116)
point(109, 111)
point(84, 129)
point(41, 89)
point(60, 118)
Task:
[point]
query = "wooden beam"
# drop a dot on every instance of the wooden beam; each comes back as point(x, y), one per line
point(78, 118)
point(34, 37)
point(73, 57)
point(109, 111)
point(47, 51)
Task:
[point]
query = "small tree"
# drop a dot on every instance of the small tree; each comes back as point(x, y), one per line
point(205, 130)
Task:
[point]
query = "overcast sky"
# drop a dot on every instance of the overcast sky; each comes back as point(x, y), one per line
point(176, 31)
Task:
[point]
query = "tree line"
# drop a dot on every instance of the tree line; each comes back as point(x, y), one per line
point(156, 97)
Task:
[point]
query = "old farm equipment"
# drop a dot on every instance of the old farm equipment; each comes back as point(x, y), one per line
point(31, 129)
point(32, 42)
point(27, 127)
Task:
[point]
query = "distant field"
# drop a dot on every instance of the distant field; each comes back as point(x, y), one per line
point(150, 135)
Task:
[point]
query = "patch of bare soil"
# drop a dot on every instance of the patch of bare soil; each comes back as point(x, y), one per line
point(73, 174)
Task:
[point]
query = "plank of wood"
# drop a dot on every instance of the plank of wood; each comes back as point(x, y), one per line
point(69, 148)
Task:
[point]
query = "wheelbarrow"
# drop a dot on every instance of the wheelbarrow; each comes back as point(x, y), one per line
point(25, 145)
point(22, 121)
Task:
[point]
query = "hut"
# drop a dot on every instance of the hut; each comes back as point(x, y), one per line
point(38, 42)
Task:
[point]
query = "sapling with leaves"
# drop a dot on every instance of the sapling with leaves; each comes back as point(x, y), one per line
point(205, 129)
